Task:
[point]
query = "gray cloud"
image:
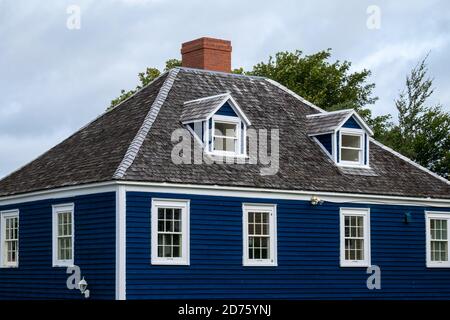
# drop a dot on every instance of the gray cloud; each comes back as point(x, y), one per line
point(54, 80)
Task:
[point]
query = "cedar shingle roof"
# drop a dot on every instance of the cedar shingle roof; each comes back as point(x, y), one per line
point(133, 142)
point(200, 109)
point(325, 123)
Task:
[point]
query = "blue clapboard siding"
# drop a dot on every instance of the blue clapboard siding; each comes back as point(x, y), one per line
point(94, 250)
point(325, 141)
point(226, 110)
point(352, 123)
point(308, 254)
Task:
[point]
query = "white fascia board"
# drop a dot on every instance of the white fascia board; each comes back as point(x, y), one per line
point(228, 191)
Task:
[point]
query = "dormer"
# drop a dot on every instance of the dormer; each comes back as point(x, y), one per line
point(343, 135)
point(218, 123)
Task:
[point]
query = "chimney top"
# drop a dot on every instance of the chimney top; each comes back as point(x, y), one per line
point(207, 53)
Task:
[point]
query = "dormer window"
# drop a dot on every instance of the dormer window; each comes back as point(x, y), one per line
point(343, 136)
point(352, 148)
point(218, 123)
point(226, 135)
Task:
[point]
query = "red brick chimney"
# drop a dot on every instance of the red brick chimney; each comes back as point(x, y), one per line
point(207, 53)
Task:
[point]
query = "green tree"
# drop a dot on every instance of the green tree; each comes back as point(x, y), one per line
point(329, 85)
point(144, 78)
point(423, 131)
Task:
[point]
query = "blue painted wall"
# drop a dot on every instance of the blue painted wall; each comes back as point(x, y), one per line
point(325, 140)
point(226, 110)
point(352, 123)
point(308, 254)
point(95, 231)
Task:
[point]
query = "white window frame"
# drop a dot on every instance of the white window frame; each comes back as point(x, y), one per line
point(231, 120)
point(361, 149)
point(273, 256)
point(362, 212)
point(184, 205)
point(3, 216)
point(59, 208)
point(441, 215)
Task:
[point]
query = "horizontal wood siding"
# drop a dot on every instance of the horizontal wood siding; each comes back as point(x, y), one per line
point(308, 254)
point(95, 231)
point(226, 110)
point(325, 140)
point(351, 123)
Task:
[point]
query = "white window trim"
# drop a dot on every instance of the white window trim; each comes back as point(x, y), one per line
point(272, 209)
point(57, 209)
point(436, 215)
point(362, 151)
point(364, 212)
point(3, 216)
point(184, 205)
point(227, 119)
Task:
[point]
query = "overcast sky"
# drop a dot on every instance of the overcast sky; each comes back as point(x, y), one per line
point(53, 80)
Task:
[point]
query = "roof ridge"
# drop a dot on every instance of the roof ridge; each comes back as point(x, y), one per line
point(295, 95)
point(207, 98)
point(220, 73)
point(154, 109)
point(326, 113)
point(404, 158)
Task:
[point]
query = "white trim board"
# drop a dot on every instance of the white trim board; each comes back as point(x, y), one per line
point(121, 225)
point(227, 191)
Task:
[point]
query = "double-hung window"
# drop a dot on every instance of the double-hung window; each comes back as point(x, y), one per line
point(226, 135)
point(10, 238)
point(170, 231)
point(63, 235)
point(437, 237)
point(260, 238)
point(355, 237)
point(352, 152)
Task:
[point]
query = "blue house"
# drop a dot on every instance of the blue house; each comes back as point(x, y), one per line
point(211, 185)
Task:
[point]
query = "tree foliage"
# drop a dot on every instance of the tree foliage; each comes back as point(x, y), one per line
point(423, 131)
point(145, 78)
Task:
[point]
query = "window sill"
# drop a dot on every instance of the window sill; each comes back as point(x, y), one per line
point(9, 267)
point(355, 165)
point(159, 262)
point(260, 264)
point(355, 264)
point(437, 265)
point(63, 265)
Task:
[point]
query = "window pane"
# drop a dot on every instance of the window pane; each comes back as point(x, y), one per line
point(224, 144)
point(225, 129)
point(350, 155)
point(351, 141)
point(160, 213)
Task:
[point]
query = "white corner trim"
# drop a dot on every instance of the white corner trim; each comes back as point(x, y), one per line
point(121, 224)
point(382, 146)
point(138, 140)
point(310, 104)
